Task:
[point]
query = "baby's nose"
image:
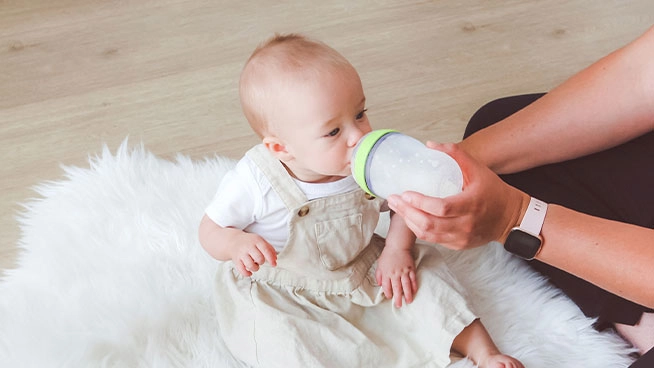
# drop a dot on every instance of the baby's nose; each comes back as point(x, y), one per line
point(356, 135)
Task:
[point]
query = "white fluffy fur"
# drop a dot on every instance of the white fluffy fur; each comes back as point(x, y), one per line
point(112, 275)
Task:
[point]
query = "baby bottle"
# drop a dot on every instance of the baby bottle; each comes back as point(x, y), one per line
point(386, 162)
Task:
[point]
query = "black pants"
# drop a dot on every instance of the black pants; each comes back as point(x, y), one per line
point(616, 184)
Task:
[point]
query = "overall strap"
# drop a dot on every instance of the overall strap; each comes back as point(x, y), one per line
point(280, 180)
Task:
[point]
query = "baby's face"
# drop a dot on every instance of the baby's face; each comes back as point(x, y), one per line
point(320, 122)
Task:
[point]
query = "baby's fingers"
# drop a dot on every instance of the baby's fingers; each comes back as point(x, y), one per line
point(250, 263)
point(397, 292)
point(242, 269)
point(414, 281)
point(268, 253)
point(387, 287)
point(258, 257)
point(409, 286)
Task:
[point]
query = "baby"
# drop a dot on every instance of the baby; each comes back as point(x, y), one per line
point(309, 283)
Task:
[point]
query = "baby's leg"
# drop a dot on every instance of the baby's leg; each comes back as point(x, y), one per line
point(475, 343)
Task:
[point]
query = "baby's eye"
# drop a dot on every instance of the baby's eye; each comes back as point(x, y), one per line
point(361, 114)
point(334, 132)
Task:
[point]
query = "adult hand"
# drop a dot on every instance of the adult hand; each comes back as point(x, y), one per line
point(484, 211)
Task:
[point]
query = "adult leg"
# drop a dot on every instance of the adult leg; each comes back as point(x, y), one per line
point(615, 184)
point(645, 361)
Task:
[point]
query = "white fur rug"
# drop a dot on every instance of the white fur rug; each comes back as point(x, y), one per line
point(112, 275)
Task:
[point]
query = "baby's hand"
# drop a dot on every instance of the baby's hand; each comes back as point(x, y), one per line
point(396, 274)
point(250, 252)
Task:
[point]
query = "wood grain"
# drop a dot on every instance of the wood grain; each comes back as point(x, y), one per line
point(77, 74)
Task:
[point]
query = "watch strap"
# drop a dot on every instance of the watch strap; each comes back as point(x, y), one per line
point(532, 221)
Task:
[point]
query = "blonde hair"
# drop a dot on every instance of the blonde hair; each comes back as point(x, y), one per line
point(272, 64)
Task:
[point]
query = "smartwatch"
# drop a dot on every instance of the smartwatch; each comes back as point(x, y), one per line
point(525, 241)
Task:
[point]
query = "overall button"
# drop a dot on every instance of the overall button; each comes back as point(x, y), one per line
point(303, 211)
point(369, 196)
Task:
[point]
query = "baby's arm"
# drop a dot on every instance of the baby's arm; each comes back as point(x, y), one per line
point(475, 343)
point(248, 251)
point(396, 272)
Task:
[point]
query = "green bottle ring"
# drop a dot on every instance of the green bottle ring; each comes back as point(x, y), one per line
point(361, 156)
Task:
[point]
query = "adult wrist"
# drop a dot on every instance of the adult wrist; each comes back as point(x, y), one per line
point(470, 147)
point(516, 215)
point(489, 155)
point(525, 240)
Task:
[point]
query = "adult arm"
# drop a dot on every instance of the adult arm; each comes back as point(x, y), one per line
point(607, 104)
point(615, 256)
point(604, 105)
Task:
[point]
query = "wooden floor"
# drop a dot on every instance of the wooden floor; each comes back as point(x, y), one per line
point(77, 74)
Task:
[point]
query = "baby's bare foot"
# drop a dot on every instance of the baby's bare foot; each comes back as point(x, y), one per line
point(501, 361)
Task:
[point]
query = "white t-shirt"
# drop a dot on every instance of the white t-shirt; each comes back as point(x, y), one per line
point(245, 200)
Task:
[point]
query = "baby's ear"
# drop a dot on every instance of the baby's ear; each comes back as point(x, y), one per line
point(277, 148)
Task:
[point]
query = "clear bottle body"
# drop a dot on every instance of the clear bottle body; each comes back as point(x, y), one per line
point(397, 163)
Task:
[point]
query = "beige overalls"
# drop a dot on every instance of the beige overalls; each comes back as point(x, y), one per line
point(321, 306)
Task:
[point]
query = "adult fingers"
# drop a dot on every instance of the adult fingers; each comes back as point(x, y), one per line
point(449, 148)
point(469, 165)
point(424, 208)
point(422, 224)
point(445, 231)
point(414, 200)
point(418, 221)
point(459, 155)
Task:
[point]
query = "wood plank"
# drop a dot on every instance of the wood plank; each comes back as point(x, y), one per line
point(77, 74)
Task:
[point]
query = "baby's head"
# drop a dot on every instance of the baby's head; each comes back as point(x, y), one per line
point(281, 63)
point(306, 102)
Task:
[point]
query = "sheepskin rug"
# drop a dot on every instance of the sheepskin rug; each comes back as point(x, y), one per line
point(111, 274)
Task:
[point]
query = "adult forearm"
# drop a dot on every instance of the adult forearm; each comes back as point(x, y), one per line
point(607, 104)
point(615, 256)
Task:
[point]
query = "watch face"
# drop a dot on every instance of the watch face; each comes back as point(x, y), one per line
point(522, 244)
